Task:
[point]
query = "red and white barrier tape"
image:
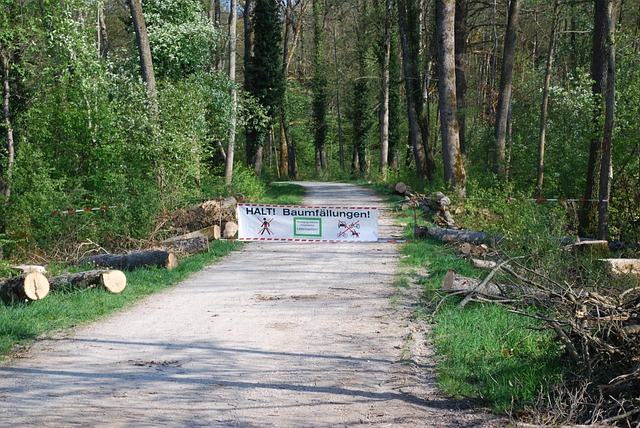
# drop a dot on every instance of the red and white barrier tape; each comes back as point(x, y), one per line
point(84, 210)
point(602, 201)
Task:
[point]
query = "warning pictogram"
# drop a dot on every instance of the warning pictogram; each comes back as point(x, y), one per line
point(265, 227)
point(348, 228)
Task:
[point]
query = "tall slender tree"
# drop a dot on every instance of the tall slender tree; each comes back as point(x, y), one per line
point(461, 72)
point(144, 52)
point(267, 81)
point(233, 14)
point(384, 90)
point(415, 139)
point(606, 164)
point(599, 66)
point(454, 169)
point(545, 101)
point(319, 87)
point(504, 96)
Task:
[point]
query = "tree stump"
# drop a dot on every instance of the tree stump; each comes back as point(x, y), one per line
point(32, 286)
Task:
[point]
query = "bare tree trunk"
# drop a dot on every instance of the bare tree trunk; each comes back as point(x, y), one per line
point(504, 96)
point(6, 117)
point(461, 78)
point(606, 165)
point(414, 129)
point(599, 77)
point(384, 105)
point(250, 135)
point(545, 101)
point(228, 170)
point(144, 50)
point(454, 171)
point(338, 111)
point(103, 37)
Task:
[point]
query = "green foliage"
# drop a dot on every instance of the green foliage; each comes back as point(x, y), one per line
point(267, 82)
point(183, 41)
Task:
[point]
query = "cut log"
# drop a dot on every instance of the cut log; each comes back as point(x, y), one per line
point(230, 230)
point(454, 236)
point(193, 244)
point(134, 260)
point(30, 268)
point(454, 282)
point(484, 264)
point(401, 187)
point(31, 286)
point(592, 247)
point(623, 266)
point(212, 233)
point(113, 280)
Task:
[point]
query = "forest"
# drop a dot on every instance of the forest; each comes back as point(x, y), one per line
point(152, 105)
point(522, 112)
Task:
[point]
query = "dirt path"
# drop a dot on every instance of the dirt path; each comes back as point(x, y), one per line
point(278, 334)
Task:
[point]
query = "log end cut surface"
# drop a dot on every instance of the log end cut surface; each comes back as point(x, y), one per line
point(36, 286)
point(114, 280)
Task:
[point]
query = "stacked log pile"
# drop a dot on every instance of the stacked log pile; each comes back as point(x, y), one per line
point(434, 206)
point(201, 217)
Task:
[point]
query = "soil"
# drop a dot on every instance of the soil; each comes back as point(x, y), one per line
point(277, 334)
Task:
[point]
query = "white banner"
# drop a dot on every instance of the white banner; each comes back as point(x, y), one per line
point(258, 222)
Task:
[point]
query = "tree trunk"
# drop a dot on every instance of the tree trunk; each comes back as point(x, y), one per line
point(454, 170)
point(32, 286)
point(461, 76)
point(338, 111)
point(103, 37)
point(6, 118)
point(545, 102)
point(134, 260)
point(228, 170)
point(144, 50)
point(384, 99)
point(415, 140)
point(599, 59)
point(504, 96)
point(113, 280)
point(319, 85)
point(606, 165)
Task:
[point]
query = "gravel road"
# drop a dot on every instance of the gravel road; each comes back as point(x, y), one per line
point(277, 334)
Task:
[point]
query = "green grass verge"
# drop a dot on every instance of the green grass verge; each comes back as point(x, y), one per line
point(483, 351)
point(21, 323)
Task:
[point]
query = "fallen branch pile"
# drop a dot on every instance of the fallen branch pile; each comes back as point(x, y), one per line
point(597, 322)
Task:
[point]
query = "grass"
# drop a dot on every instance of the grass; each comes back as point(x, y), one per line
point(484, 352)
point(22, 323)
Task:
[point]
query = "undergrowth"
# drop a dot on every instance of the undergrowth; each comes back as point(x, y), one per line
point(21, 323)
point(484, 352)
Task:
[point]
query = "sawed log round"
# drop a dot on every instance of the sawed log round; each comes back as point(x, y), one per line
point(32, 286)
